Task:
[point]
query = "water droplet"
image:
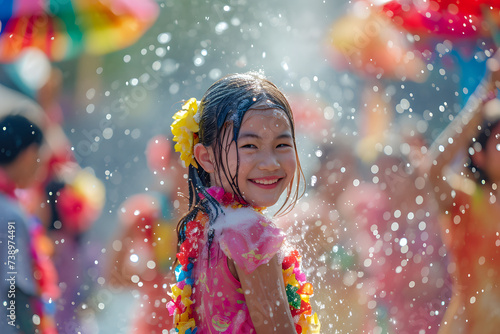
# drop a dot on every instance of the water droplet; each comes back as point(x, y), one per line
point(221, 27)
point(164, 38)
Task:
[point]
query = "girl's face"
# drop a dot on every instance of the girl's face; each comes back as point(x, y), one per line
point(266, 155)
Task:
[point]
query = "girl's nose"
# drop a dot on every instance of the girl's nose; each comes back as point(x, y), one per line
point(269, 161)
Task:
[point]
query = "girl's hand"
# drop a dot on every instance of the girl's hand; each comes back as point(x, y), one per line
point(491, 109)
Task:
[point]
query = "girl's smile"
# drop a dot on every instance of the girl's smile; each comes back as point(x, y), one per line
point(267, 182)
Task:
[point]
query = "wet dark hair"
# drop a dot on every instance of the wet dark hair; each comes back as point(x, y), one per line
point(17, 133)
point(482, 140)
point(222, 110)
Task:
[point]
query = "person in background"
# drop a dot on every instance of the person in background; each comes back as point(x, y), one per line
point(28, 283)
point(144, 249)
point(66, 198)
point(468, 200)
point(327, 238)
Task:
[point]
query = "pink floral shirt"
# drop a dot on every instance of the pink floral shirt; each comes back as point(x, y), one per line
point(250, 240)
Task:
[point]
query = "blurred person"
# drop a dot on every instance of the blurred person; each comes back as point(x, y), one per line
point(28, 285)
point(75, 198)
point(141, 260)
point(65, 198)
point(468, 200)
point(144, 249)
point(398, 242)
point(326, 238)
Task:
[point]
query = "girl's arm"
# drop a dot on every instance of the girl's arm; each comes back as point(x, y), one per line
point(266, 298)
point(457, 136)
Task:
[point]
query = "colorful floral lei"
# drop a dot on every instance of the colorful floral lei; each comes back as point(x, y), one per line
point(180, 305)
point(185, 130)
point(297, 289)
point(298, 292)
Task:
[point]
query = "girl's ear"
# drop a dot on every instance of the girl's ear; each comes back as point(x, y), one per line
point(204, 156)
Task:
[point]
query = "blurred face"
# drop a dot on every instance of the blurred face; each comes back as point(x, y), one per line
point(26, 165)
point(492, 156)
point(266, 156)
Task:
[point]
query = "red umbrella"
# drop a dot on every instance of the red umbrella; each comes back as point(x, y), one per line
point(447, 18)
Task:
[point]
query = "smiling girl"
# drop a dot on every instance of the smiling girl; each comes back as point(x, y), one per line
point(233, 275)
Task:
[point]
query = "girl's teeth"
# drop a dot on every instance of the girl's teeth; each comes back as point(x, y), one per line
point(266, 181)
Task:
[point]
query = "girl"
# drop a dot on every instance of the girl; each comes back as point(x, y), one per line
point(469, 201)
point(241, 154)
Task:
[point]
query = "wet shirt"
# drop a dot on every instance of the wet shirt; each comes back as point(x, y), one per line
point(250, 240)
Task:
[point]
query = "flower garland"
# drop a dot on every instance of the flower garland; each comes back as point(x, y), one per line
point(180, 305)
point(298, 292)
point(297, 289)
point(185, 130)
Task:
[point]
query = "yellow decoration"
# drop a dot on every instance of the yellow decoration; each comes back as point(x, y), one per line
point(310, 324)
point(90, 188)
point(289, 277)
point(305, 298)
point(185, 294)
point(183, 327)
point(185, 129)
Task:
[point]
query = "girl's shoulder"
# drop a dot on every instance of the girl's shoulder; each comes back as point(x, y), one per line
point(248, 237)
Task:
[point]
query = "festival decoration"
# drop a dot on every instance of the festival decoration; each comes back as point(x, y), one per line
point(446, 18)
point(298, 292)
point(65, 29)
point(180, 305)
point(80, 201)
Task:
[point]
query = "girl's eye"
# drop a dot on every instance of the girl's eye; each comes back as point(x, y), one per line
point(283, 145)
point(249, 146)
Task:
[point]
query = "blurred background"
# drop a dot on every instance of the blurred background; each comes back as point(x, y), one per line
point(371, 83)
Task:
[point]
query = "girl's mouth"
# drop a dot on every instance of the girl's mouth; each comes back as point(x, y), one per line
point(267, 183)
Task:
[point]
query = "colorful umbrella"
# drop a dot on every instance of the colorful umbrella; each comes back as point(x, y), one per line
point(459, 29)
point(63, 29)
point(446, 18)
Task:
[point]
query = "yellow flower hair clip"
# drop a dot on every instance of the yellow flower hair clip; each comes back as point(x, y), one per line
point(185, 130)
